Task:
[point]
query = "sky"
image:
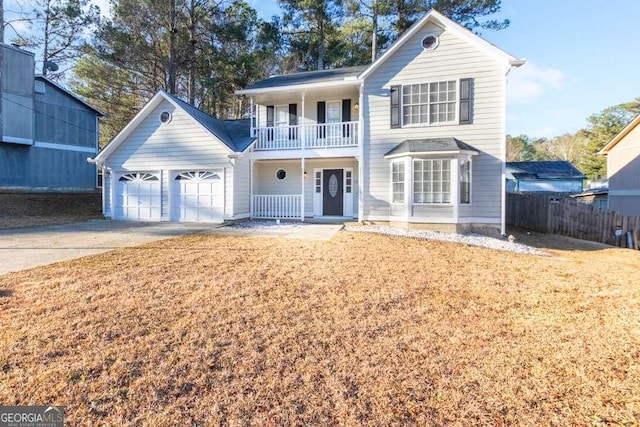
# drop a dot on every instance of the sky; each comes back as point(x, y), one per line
point(582, 56)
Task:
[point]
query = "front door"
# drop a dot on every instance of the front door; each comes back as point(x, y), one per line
point(332, 192)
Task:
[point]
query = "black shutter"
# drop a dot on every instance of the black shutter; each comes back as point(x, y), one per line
point(270, 114)
point(322, 118)
point(293, 121)
point(395, 106)
point(346, 116)
point(466, 90)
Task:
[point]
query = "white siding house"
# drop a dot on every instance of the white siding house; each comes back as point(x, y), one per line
point(415, 138)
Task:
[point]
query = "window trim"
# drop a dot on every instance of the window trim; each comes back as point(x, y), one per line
point(413, 181)
point(470, 160)
point(275, 174)
point(402, 163)
point(456, 112)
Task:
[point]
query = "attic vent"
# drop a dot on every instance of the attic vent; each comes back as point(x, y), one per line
point(165, 117)
point(39, 87)
point(430, 42)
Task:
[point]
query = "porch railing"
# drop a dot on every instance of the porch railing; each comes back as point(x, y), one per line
point(323, 135)
point(276, 206)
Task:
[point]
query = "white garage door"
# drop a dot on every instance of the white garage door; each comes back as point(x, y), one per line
point(198, 196)
point(138, 197)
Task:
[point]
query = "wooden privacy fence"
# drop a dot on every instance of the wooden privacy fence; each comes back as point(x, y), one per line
point(551, 214)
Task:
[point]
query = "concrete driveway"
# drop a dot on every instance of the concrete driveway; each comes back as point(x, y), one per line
point(24, 248)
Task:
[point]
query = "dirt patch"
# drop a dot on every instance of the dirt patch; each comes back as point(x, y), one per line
point(37, 209)
point(361, 329)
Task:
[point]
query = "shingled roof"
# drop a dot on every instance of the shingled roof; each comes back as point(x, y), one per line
point(554, 169)
point(307, 77)
point(429, 145)
point(235, 134)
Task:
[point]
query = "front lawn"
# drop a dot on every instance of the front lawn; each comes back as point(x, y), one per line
point(361, 329)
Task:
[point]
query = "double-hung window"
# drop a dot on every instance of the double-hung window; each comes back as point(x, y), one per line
point(397, 182)
point(429, 103)
point(431, 181)
point(465, 181)
point(432, 103)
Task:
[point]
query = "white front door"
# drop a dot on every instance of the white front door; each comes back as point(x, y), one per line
point(138, 196)
point(198, 196)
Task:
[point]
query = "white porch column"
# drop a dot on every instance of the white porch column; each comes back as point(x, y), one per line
point(251, 162)
point(302, 128)
point(251, 117)
point(302, 192)
point(361, 154)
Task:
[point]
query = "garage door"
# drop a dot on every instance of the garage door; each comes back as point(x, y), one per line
point(138, 197)
point(198, 196)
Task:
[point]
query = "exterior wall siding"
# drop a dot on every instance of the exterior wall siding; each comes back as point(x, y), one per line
point(453, 59)
point(265, 182)
point(29, 167)
point(623, 165)
point(61, 119)
point(179, 145)
point(17, 93)
point(242, 183)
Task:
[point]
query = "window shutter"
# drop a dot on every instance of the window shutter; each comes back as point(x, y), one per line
point(293, 114)
point(270, 114)
point(346, 116)
point(293, 121)
point(395, 106)
point(322, 118)
point(466, 89)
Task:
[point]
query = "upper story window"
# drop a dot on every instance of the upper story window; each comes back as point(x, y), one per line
point(429, 103)
point(430, 42)
point(433, 103)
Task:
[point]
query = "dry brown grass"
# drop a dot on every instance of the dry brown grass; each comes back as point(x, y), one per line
point(362, 329)
point(39, 209)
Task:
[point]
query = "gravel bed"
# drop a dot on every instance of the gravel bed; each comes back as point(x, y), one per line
point(269, 225)
point(467, 239)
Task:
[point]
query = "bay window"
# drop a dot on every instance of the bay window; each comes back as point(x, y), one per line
point(397, 182)
point(431, 181)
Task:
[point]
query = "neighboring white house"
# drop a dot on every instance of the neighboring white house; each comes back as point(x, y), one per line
point(417, 137)
point(623, 169)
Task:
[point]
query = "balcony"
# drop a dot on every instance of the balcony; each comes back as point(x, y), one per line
point(309, 136)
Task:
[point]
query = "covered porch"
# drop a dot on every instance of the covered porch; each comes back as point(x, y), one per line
point(305, 188)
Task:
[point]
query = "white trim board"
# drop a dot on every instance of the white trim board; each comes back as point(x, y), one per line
point(64, 147)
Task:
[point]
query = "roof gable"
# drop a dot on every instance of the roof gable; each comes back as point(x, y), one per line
point(233, 134)
point(69, 93)
point(448, 25)
point(619, 137)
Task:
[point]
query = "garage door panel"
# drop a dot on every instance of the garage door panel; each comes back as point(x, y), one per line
point(138, 197)
point(198, 196)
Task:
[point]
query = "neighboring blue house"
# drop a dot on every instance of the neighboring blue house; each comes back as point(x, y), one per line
point(47, 132)
point(557, 176)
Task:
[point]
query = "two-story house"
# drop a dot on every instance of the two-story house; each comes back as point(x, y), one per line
point(415, 138)
point(46, 131)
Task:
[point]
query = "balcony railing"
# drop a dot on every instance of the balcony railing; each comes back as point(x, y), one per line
point(325, 135)
point(274, 207)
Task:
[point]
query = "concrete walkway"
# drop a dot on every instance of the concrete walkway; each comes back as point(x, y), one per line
point(24, 248)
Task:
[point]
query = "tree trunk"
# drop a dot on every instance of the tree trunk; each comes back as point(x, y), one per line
point(45, 48)
point(172, 48)
point(374, 31)
point(320, 45)
point(191, 90)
